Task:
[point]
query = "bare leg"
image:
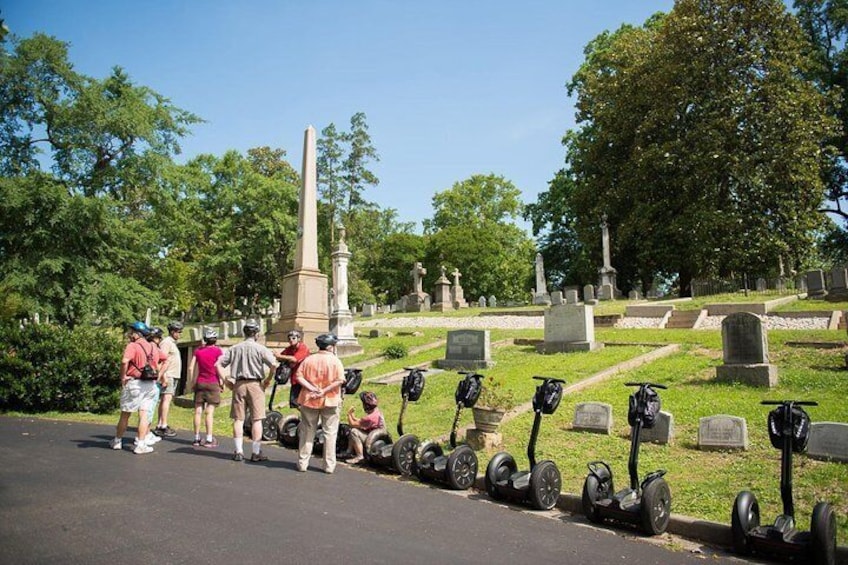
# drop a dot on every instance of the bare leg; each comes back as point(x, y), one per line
point(198, 409)
point(210, 412)
point(123, 421)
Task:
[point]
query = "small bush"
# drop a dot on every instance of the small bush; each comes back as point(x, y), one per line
point(45, 367)
point(395, 351)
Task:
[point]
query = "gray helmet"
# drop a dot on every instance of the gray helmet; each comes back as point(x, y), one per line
point(175, 326)
point(251, 327)
point(209, 334)
point(323, 341)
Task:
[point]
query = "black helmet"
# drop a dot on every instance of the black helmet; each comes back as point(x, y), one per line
point(369, 400)
point(154, 333)
point(175, 326)
point(324, 341)
point(251, 327)
point(140, 327)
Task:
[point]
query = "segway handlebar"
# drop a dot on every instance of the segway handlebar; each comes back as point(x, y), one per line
point(549, 379)
point(652, 385)
point(423, 370)
point(795, 402)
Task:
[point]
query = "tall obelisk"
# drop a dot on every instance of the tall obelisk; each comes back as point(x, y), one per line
point(304, 300)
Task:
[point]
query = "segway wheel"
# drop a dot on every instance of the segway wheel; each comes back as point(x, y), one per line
point(593, 491)
point(545, 485)
point(744, 518)
point(823, 534)
point(288, 432)
point(462, 468)
point(271, 426)
point(424, 457)
point(500, 468)
point(656, 507)
point(374, 444)
point(343, 439)
point(403, 452)
point(247, 428)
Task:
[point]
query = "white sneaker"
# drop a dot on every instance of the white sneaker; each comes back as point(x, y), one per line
point(142, 448)
point(116, 443)
point(152, 439)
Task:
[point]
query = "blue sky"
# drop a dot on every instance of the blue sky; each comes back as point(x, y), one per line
point(450, 89)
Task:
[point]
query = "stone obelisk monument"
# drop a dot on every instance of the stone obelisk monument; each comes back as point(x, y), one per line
point(304, 300)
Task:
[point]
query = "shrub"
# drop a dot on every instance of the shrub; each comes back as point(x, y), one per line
point(495, 395)
point(395, 351)
point(45, 367)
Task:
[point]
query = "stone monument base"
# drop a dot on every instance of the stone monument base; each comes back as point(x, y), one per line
point(568, 346)
point(480, 441)
point(348, 348)
point(442, 307)
point(760, 374)
point(417, 303)
point(468, 364)
point(542, 299)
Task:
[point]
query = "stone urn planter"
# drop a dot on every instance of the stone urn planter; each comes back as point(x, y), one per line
point(487, 420)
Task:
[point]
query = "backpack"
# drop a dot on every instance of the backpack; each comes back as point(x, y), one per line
point(413, 385)
point(800, 427)
point(148, 372)
point(468, 390)
point(353, 378)
point(652, 407)
point(282, 374)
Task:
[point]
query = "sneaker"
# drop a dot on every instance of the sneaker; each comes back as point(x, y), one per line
point(238, 456)
point(142, 448)
point(152, 439)
point(196, 442)
point(211, 444)
point(116, 443)
point(354, 461)
point(257, 457)
point(158, 431)
point(167, 431)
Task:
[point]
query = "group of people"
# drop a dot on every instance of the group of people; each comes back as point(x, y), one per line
point(316, 390)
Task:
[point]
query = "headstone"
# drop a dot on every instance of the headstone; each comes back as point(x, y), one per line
point(761, 285)
point(839, 279)
point(493, 302)
point(376, 333)
point(418, 300)
point(569, 327)
point(745, 348)
point(800, 283)
point(196, 334)
point(606, 292)
point(607, 272)
point(225, 331)
point(663, 430)
point(593, 417)
point(634, 295)
point(541, 296)
point(556, 297)
point(443, 301)
point(481, 302)
point(589, 295)
point(571, 297)
point(457, 293)
point(828, 441)
point(722, 433)
point(467, 349)
point(341, 318)
point(815, 284)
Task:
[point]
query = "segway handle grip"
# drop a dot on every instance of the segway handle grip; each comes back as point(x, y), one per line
point(467, 372)
point(652, 385)
point(415, 369)
point(795, 402)
point(551, 379)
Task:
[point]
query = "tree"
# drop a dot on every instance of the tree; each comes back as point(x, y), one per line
point(330, 149)
point(476, 200)
point(356, 174)
point(697, 133)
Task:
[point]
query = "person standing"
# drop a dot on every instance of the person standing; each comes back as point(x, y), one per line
point(293, 354)
point(154, 336)
point(321, 375)
point(247, 361)
point(173, 371)
point(137, 385)
point(207, 386)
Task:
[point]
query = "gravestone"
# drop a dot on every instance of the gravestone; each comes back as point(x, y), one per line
point(457, 292)
point(571, 297)
point(443, 302)
point(493, 301)
point(467, 349)
point(481, 302)
point(589, 295)
point(828, 441)
point(722, 432)
point(417, 300)
point(761, 285)
point(595, 417)
point(663, 430)
point(376, 333)
point(606, 292)
point(368, 310)
point(541, 296)
point(569, 327)
point(225, 331)
point(839, 279)
point(815, 284)
point(801, 283)
point(745, 348)
point(341, 318)
point(634, 295)
point(556, 297)
point(196, 334)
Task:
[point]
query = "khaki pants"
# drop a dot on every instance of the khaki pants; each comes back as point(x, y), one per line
point(329, 416)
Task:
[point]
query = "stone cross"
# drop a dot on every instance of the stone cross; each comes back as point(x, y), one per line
point(417, 272)
point(456, 274)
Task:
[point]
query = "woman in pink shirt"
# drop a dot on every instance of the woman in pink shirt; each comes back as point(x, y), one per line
point(361, 427)
point(206, 385)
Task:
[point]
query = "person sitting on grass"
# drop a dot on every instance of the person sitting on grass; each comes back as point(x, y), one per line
point(361, 427)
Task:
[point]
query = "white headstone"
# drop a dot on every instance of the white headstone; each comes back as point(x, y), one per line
point(593, 417)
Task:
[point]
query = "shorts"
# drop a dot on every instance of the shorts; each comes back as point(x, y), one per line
point(138, 395)
point(360, 435)
point(248, 393)
point(170, 385)
point(209, 393)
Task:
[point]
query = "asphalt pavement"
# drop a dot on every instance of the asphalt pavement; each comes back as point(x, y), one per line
point(65, 497)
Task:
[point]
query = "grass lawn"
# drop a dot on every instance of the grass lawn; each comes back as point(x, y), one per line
point(703, 484)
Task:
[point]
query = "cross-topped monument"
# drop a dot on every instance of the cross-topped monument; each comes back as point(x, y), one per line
point(417, 272)
point(418, 300)
point(608, 288)
point(457, 293)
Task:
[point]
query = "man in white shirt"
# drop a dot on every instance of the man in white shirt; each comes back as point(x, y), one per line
point(172, 372)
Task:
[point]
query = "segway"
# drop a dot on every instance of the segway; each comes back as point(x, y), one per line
point(789, 430)
point(459, 468)
point(288, 426)
point(540, 486)
point(646, 504)
point(379, 450)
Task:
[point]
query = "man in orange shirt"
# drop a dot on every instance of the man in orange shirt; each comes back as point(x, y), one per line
point(321, 376)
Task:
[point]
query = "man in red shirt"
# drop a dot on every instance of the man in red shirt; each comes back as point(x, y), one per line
point(293, 354)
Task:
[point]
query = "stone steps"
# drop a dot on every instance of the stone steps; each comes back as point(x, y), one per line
point(683, 319)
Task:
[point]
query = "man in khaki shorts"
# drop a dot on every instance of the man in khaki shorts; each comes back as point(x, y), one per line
point(247, 361)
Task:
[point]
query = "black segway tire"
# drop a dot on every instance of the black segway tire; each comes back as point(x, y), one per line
point(462, 468)
point(500, 468)
point(288, 436)
point(656, 507)
point(271, 426)
point(545, 485)
point(247, 427)
point(374, 444)
point(343, 439)
point(823, 534)
point(594, 491)
point(744, 518)
point(424, 456)
point(403, 453)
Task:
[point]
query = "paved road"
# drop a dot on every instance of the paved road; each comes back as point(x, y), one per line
point(66, 498)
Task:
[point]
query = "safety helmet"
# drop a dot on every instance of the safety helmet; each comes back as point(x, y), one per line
point(209, 334)
point(140, 327)
point(293, 333)
point(154, 333)
point(251, 327)
point(175, 326)
point(369, 400)
point(324, 341)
